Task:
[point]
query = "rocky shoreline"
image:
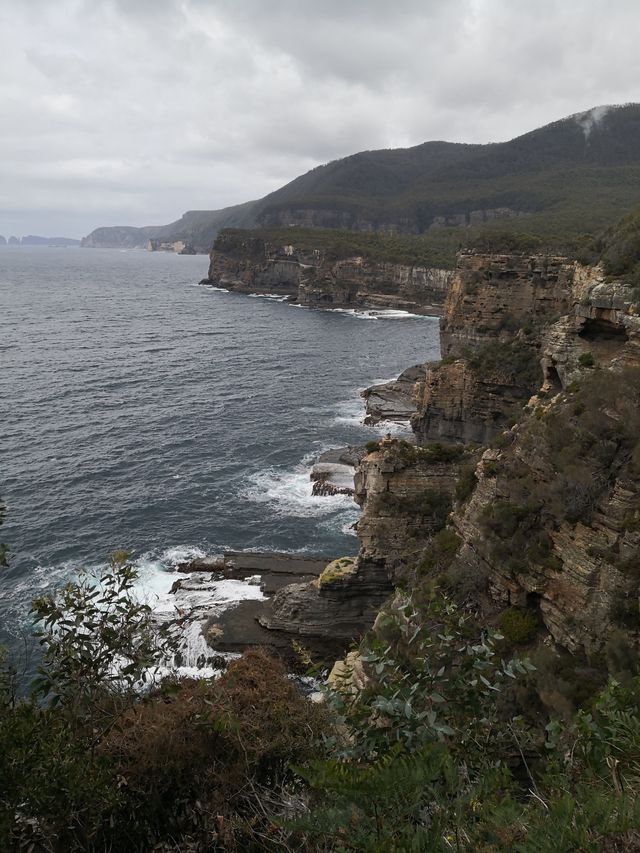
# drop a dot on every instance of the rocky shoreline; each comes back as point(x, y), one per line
point(216, 602)
point(393, 401)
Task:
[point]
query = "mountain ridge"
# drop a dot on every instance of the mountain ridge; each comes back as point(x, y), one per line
point(576, 173)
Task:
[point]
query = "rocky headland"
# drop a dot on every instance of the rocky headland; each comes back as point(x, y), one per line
point(311, 274)
point(521, 494)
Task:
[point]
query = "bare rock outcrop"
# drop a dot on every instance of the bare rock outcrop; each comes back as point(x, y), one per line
point(554, 521)
point(495, 314)
point(250, 265)
point(337, 604)
point(396, 400)
point(405, 494)
point(494, 296)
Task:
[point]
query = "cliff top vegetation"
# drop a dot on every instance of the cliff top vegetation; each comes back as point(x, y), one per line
point(337, 245)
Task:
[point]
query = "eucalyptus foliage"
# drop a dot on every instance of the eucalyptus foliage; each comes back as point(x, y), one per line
point(98, 641)
point(432, 678)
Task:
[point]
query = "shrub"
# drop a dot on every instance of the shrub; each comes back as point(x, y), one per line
point(372, 446)
point(437, 452)
point(502, 440)
point(518, 625)
point(430, 504)
point(586, 359)
point(104, 766)
point(504, 518)
point(440, 552)
point(336, 570)
point(436, 681)
point(466, 483)
point(513, 360)
point(496, 240)
point(421, 739)
point(98, 644)
point(491, 468)
point(466, 580)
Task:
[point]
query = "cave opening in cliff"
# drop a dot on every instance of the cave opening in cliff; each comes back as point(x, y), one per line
point(598, 329)
point(533, 601)
point(552, 379)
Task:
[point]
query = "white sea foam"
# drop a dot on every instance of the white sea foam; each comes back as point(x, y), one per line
point(348, 529)
point(341, 522)
point(275, 296)
point(289, 491)
point(198, 596)
point(377, 314)
point(352, 412)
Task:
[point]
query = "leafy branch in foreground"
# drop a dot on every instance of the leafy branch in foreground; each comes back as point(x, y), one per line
point(98, 642)
point(431, 677)
point(445, 765)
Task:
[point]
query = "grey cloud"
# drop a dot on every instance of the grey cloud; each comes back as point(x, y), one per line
point(132, 111)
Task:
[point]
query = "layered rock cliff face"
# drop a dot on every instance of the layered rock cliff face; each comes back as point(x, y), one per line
point(311, 216)
point(554, 522)
point(406, 494)
point(310, 277)
point(496, 309)
point(553, 525)
point(490, 332)
point(253, 266)
point(396, 400)
point(340, 606)
point(546, 520)
point(495, 296)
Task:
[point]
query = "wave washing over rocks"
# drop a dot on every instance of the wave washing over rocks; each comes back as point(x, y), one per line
point(212, 602)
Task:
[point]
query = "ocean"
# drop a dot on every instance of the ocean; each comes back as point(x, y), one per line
point(143, 411)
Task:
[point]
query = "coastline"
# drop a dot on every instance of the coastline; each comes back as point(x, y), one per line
point(362, 306)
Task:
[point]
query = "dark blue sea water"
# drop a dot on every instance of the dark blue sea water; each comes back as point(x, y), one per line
point(142, 411)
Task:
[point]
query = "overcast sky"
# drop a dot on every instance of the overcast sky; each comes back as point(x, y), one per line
point(133, 111)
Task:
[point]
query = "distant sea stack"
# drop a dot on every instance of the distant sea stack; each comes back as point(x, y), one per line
point(178, 247)
point(3, 240)
point(13, 241)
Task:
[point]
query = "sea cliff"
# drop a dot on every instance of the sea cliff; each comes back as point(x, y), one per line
point(316, 272)
point(522, 492)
